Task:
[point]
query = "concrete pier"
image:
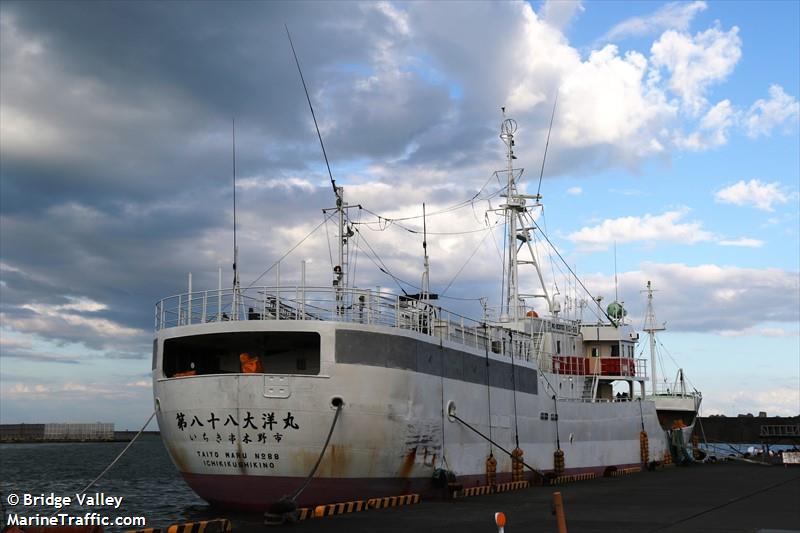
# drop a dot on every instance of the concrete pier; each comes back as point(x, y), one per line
point(722, 497)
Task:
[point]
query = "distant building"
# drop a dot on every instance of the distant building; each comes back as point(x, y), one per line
point(71, 432)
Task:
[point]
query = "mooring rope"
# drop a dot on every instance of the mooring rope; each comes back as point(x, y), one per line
point(532, 469)
point(117, 458)
point(486, 342)
point(125, 449)
point(321, 454)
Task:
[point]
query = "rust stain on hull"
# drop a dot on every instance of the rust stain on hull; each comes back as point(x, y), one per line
point(408, 463)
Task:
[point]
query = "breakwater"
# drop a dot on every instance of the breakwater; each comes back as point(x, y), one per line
point(748, 429)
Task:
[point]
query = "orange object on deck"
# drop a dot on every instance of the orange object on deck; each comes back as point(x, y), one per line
point(183, 375)
point(250, 364)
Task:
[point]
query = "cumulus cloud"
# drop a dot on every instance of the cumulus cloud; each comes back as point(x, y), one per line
point(667, 226)
point(781, 401)
point(559, 13)
point(766, 115)
point(758, 332)
point(743, 242)
point(696, 62)
point(575, 191)
point(753, 193)
point(121, 142)
point(710, 298)
point(712, 130)
point(672, 16)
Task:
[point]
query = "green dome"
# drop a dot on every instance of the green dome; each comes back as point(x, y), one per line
point(616, 311)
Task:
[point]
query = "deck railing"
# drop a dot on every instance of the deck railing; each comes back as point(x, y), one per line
point(360, 306)
point(602, 366)
point(367, 306)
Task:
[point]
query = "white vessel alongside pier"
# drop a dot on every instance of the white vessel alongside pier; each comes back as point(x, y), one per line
point(425, 394)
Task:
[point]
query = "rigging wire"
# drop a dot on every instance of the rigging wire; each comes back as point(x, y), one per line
point(313, 116)
point(464, 203)
point(571, 271)
point(676, 363)
point(550, 256)
point(488, 230)
point(514, 386)
point(328, 239)
point(292, 249)
point(416, 231)
point(382, 267)
point(547, 144)
point(355, 255)
point(233, 160)
point(488, 386)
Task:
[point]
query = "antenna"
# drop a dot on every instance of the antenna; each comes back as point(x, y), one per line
point(313, 116)
point(426, 276)
point(544, 157)
point(340, 271)
point(235, 246)
point(616, 284)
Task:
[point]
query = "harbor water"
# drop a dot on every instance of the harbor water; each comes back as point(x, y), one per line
point(144, 477)
point(150, 486)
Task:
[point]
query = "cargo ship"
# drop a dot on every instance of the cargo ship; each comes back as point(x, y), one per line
point(336, 393)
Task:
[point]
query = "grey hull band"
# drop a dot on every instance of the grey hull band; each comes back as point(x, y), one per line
point(394, 351)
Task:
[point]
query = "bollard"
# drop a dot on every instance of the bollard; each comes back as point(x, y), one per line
point(559, 508)
point(500, 521)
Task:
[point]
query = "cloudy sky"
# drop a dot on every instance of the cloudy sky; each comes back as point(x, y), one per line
point(675, 140)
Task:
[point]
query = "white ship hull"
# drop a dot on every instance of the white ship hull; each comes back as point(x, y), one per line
point(246, 380)
point(391, 434)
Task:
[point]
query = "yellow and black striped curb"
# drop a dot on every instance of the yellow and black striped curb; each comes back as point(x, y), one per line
point(491, 489)
point(626, 471)
point(331, 509)
point(474, 491)
point(145, 530)
point(392, 501)
point(572, 478)
point(356, 506)
point(218, 525)
point(512, 485)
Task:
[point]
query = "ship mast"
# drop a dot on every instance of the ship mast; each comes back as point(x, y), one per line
point(511, 208)
point(426, 275)
point(236, 284)
point(340, 271)
point(650, 327)
point(513, 211)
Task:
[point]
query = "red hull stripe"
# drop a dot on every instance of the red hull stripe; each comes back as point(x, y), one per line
point(257, 493)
